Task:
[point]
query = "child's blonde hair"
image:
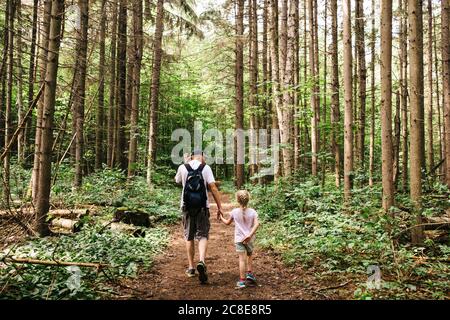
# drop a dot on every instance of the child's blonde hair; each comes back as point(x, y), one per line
point(243, 197)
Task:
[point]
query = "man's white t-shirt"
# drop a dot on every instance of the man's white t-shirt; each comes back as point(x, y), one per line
point(182, 173)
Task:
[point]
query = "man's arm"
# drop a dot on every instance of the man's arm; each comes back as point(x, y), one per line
point(216, 194)
point(178, 176)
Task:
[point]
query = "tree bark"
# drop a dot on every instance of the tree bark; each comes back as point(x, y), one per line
point(136, 84)
point(239, 87)
point(9, 98)
point(43, 198)
point(20, 73)
point(362, 78)
point(417, 104)
point(112, 88)
point(404, 92)
point(31, 75)
point(100, 128)
point(445, 44)
point(386, 106)
point(430, 141)
point(80, 90)
point(121, 160)
point(335, 112)
point(154, 93)
point(44, 40)
point(253, 70)
point(348, 119)
point(372, 98)
point(314, 92)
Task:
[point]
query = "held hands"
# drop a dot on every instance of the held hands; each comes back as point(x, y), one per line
point(247, 239)
point(219, 214)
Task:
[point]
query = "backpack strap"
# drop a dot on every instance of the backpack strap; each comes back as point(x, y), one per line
point(199, 169)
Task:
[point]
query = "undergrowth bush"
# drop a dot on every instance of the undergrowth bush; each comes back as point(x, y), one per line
point(309, 225)
point(122, 253)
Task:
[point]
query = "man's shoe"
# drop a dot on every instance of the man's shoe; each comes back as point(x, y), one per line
point(202, 275)
point(190, 273)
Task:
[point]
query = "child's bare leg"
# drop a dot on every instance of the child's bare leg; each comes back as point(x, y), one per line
point(250, 263)
point(242, 264)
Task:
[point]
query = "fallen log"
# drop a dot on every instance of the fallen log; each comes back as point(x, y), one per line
point(66, 224)
point(438, 222)
point(437, 235)
point(66, 213)
point(127, 229)
point(69, 213)
point(53, 262)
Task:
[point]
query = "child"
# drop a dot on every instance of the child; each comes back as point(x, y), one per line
point(246, 223)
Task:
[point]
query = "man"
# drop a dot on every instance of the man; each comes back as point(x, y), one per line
point(196, 220)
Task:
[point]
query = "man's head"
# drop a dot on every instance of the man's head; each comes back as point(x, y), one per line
point(197, 155)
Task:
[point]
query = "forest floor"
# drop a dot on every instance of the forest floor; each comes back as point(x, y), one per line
point(167, 280)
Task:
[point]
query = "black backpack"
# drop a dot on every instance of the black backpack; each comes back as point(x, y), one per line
point(194, 195)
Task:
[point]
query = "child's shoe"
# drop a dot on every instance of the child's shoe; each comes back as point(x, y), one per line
point(250, 278)
point(240, 284)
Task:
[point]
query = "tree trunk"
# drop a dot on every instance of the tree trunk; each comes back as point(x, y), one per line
point(3, 72)
point(80, 90)
point(112, 88)
point(154, 93)
point(362, 76)
point(314, 90)
point(348, 119)
point(437, 75)
point(275, 69)
point(43, 198)
point(136, 84)
point(239, 87)
point(372, 98)
point(100, 128)
point(335, 112)
point(253, 70)
point(404, 93)
point(396, 141)
point(121, 160)
point(31, 76)
point(430, 141)
point(386, 105)
point(445, 43)
point(287, 111)
point(416, 102)
point(44, 40)
point(9, 96)
point(19, 99)
point(296, 133)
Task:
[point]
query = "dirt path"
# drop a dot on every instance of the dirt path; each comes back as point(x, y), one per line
point(167, 280)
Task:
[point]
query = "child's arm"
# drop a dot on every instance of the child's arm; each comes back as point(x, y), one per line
point(226, 221)
point(252, 233)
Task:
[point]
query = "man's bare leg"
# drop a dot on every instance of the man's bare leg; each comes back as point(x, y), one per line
point(190, 249)
point(202, 248)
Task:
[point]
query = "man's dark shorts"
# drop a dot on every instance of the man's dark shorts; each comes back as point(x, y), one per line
point(196, 224)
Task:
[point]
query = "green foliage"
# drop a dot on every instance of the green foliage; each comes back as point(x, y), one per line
point(122, 253)
point(309, 225)
point(110, 188)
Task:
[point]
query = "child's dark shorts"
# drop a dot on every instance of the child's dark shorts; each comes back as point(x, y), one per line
point(196, 224)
